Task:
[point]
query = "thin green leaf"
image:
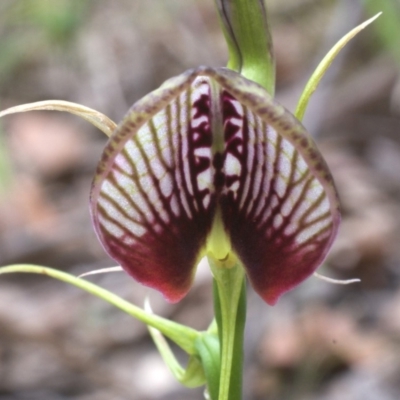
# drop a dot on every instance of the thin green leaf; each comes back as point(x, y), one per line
point(324, 65)
point(183, 336)
point(96, 118)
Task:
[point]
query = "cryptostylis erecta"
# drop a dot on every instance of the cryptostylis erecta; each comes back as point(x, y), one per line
point(209, 164)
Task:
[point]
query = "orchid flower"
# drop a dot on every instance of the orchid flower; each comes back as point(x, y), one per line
point(209, 164)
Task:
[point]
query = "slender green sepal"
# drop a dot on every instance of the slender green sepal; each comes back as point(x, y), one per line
point(229, 305)
point(323, 66)
point(99, 120)
point(183, 336)
point(246, 30)
point(208, 348)
point(191, 377)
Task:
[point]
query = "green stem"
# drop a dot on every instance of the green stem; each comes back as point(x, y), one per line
point(246, 29)
point(230, 312)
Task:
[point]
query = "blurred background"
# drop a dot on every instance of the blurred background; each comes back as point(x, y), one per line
point(321, 341)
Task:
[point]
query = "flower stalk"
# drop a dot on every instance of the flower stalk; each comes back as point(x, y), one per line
point(230, 313)
point(246, 30)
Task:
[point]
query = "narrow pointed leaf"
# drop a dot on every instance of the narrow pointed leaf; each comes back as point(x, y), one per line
point(210, 145)
point(323, 66)
point(96, 118)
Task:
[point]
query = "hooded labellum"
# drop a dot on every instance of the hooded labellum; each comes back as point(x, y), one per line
point(210, 151)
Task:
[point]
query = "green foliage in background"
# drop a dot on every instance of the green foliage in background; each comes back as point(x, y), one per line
point(388, 28)
point(32, 26)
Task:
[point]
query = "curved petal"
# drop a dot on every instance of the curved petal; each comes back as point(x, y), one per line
point(152, 201)
point(279, 203)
